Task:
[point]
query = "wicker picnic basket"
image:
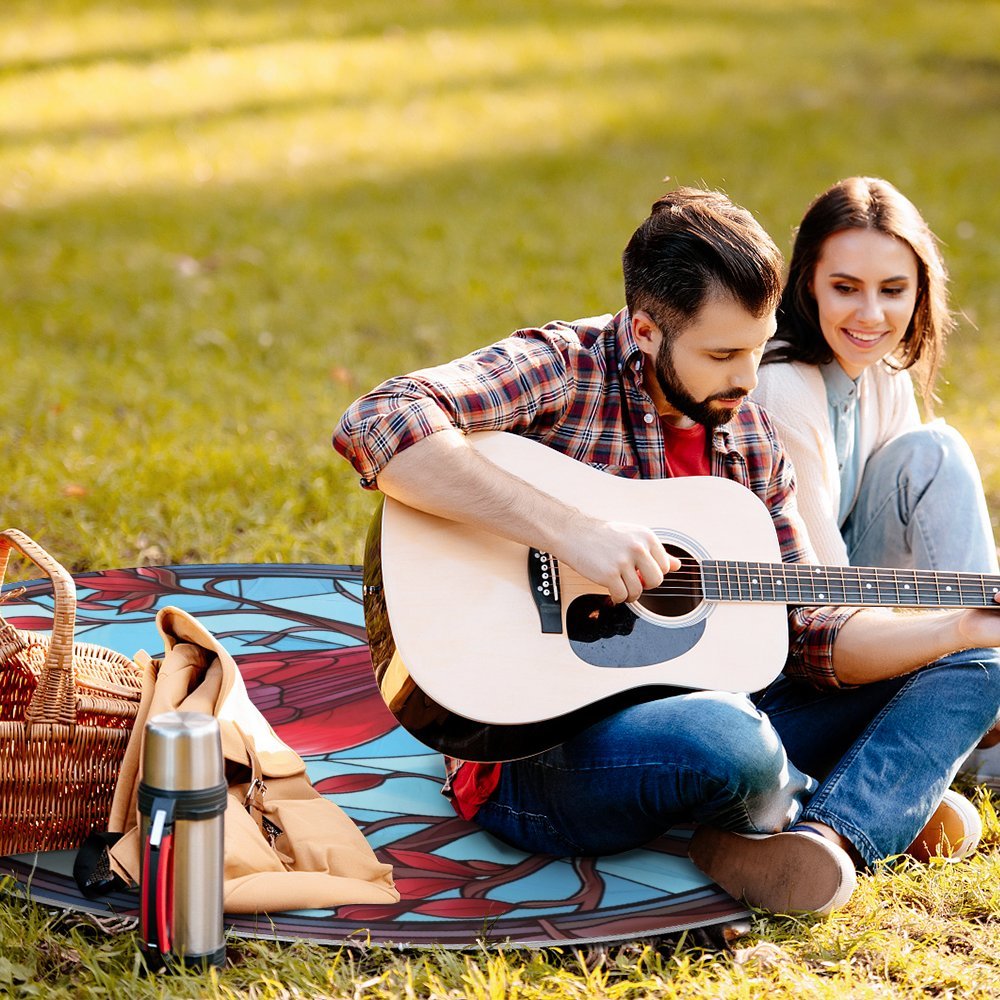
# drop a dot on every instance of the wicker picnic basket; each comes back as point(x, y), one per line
point(66, 711)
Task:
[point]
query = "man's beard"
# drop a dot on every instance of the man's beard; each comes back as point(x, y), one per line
point(680, 399)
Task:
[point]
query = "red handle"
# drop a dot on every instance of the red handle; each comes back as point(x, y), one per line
point(165, 894)
point(146, 893)
point(156, 901)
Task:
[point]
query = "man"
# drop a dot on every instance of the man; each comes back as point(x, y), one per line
point(851, 751)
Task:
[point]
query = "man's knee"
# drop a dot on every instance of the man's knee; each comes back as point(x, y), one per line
point(740, 738)
point(760, 790)
point(967, 682)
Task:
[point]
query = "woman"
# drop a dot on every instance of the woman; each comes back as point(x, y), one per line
point(865, 304)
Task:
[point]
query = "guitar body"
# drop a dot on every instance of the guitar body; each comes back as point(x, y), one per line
point(458, 636)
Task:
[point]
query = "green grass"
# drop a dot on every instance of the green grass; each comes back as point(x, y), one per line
point(221, 221)
point(910, 932)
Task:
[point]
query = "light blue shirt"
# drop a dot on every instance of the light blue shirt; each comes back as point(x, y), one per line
point(842, 402)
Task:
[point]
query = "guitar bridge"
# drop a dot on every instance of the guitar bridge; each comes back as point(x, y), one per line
point(543, 578)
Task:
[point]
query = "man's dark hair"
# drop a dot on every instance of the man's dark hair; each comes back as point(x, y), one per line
point(694, 244)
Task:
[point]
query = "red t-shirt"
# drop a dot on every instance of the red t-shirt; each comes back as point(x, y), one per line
point(686, 455)
point(686, 450)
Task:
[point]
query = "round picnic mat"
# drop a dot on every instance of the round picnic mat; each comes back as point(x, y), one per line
point(297, 633)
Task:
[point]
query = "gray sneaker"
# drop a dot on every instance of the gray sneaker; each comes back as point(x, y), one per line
point(782, 872)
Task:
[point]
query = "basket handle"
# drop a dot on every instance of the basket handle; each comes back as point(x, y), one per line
point(54, 700)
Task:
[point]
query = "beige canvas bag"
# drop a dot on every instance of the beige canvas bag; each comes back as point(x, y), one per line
point(286, 847)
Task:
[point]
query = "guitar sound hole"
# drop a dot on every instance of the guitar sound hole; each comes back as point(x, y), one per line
point(680, 593)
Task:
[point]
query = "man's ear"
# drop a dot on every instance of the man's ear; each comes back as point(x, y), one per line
point(646, 333)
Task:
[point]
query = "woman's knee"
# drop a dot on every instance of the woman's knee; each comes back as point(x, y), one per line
point(927, 452)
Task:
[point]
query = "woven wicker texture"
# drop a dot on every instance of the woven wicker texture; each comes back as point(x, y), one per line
point(66, 711)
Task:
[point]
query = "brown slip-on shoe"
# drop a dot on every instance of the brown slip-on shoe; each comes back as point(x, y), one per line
point(953, 832)
point(782, 872)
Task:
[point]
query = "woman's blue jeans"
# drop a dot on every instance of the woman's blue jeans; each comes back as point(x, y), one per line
point(920, 505)
point(872, 762)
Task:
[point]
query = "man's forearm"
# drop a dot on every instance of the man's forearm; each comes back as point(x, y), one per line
point(444, 475)
point(878, 643)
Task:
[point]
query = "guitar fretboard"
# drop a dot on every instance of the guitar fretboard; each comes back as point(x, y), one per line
point(792, 583)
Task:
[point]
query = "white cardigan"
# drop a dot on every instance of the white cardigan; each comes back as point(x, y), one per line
point(794, 395)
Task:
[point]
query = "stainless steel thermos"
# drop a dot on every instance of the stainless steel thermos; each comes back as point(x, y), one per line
point(182, 801)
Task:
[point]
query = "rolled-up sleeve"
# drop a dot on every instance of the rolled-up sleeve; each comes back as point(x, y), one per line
point(515, 384)
point(812, 632)
point(382, 423)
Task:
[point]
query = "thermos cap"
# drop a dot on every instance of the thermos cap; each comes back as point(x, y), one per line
point(182, 752)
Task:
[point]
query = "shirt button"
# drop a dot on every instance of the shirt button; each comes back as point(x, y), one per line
point(648, 418)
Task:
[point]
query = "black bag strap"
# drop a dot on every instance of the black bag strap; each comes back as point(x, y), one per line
point(92, 867)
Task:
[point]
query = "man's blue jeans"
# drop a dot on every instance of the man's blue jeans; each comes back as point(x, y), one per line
point(920, 505)
point(872, 762)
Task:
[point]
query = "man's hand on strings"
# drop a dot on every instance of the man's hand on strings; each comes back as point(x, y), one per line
point(624, 558)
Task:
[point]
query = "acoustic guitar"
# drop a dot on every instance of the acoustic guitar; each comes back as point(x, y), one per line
point(485, 649)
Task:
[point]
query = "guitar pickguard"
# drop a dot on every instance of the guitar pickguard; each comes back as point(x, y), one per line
point(612, 635)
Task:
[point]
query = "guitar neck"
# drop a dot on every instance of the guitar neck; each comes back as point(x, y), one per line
point(801, 583)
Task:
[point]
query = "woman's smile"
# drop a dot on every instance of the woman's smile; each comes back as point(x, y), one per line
point(865, 285)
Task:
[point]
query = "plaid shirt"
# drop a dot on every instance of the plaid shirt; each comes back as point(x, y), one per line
point(577, 387)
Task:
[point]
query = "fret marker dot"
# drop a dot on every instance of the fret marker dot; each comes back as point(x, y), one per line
point(823, 596)
point(868, 586)
point(753, 579)
point(906, 586)
point(780, 582)
point(947, 588)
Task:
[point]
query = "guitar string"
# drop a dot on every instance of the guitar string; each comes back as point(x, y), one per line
point(688, 581)
point(809, 571)
point(833, 599)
